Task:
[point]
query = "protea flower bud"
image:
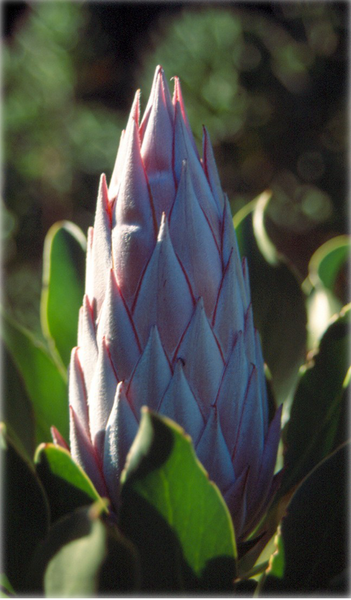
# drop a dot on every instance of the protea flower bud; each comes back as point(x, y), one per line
point(167, 320)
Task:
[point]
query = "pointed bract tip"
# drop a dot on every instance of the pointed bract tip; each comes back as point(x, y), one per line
point(135, 110)
point(205, 140)
point(58, 439)
point(103, 188)
point(103, 194)
point(252, 375)
point(178, 367)
point(121, 390)
point(205, 134)
point(90, 236)
point(160, 75)
point(103, 179)
point(200, 304)
point(113, 282)
point(105, 345)
point(154, 334)
point(248, 313)
point(74, 352)
point(75, 357)
point(163, 230)
point(88, 305)
point(178, 102)
point(176, 92)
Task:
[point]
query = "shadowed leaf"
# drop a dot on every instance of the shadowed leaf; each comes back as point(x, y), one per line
point(314, 428)
point(312, 546)
point(278, 302)
point(84, 556)
point(66, 484)
point(25, 512)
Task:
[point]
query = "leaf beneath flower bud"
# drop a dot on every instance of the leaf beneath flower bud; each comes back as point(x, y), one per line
point(66, 484)
point(174, 514)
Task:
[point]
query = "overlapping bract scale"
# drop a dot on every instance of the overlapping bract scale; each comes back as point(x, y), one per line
point(167, 319)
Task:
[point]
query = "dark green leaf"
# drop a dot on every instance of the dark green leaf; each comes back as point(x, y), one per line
point(66, 484)
point(174, 514)
point(319, 402)
point(17, 408)
point(25, 512)
point(84, 556)
point(246, 588)
point(249, 562)
point(278, 302)
point(63, 285)
point(44, 381)
point(312, 550)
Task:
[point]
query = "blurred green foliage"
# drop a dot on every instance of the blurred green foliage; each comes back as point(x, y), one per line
point(56, 143)
point(268, 81)
point(270, 86)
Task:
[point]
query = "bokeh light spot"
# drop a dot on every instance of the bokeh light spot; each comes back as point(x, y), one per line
point(315, 203)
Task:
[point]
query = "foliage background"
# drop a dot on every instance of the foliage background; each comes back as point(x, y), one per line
point(269, 80)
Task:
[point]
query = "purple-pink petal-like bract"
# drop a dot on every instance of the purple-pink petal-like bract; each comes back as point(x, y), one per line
point(167, 319)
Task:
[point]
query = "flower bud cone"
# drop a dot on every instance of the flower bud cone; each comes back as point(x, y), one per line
point(167, 319)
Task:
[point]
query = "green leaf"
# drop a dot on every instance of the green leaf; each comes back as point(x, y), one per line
point(322, 305)
point(312, 549)
point(66, 484)
point(328, 260)
point(174, 514)
point(63, 286)
point(277, 562)
point(326, 285)
point(278, 303)
point(6, 589)
point(25, 512)
point(17, 408)
point(319, 402)
point(84, 556)
point(44, 381)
